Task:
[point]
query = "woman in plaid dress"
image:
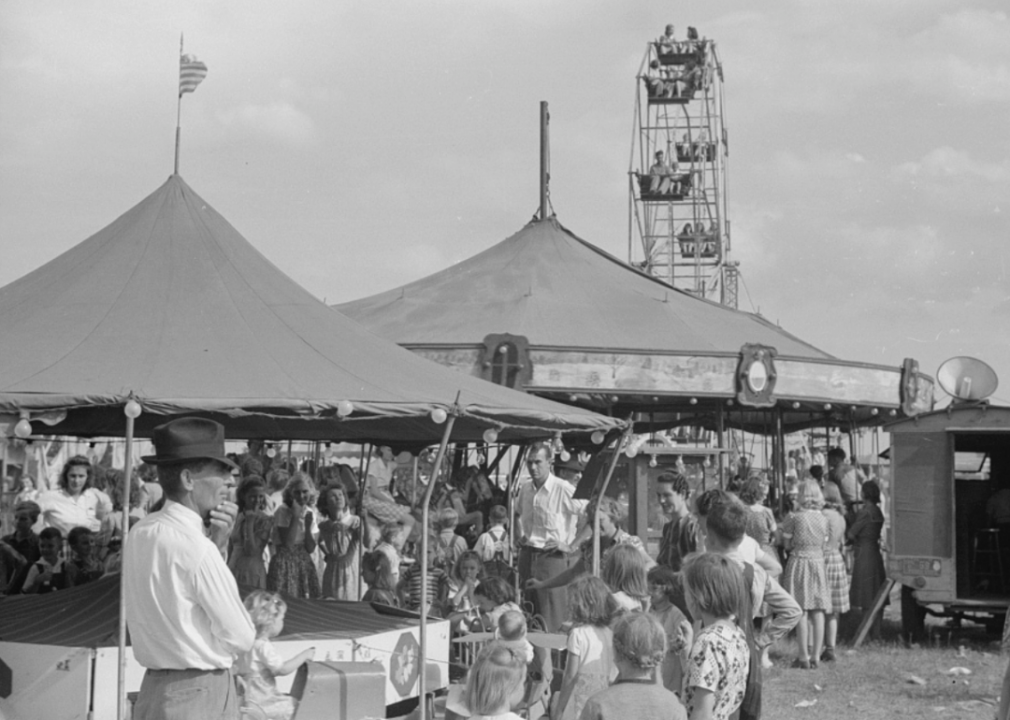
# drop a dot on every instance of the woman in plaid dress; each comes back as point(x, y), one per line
point(834, 568)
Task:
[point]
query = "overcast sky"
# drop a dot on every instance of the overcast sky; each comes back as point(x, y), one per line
point(363, 144)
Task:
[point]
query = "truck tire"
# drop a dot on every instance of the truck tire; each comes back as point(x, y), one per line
point(913, 617)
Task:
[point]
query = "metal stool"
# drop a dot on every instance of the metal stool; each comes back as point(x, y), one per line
point(986, 547)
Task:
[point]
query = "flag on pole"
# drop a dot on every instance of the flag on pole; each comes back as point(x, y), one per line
point(191, 73)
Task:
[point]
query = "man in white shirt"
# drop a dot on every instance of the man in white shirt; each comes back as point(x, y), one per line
point(548, 515)
point(185, 616)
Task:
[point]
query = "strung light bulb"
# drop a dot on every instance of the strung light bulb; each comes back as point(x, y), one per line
point(631, 451)
point(827, 406)
point(559, 446)
point(694, 401)
point(565, 456)
point(598, 437)
point(270, 451)
point(344, 408)
point(23, 429)
point(132, 409)
point(490, 436)
point(438, 416)
point(653, 462)
point(796, 406)
point(874, 411)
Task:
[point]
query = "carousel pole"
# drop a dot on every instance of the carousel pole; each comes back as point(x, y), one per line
point(423, 659)
point(132, 411)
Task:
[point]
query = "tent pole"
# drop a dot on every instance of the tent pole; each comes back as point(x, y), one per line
point(421, 678)
point(362, 487)
point(510, 486)
point(124, 531)
point(603, 491)
point(720, 431)
point(545, 150)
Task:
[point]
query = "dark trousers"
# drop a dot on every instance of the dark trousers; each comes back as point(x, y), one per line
point(187, 695)
point(543, 565)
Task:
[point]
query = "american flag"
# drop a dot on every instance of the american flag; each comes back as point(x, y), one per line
point(191, 73)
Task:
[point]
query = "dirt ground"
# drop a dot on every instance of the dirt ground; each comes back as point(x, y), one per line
point(886, 679)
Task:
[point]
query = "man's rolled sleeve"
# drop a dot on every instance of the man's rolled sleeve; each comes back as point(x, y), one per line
point(785, 613)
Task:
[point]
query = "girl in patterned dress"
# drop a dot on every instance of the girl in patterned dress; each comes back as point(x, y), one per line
point(805, 534)
point(339, 537)
point(760, 519)
point(590, 667)
point(716, 667)
point(292, 571)
point(834, 568)
point(250, 535)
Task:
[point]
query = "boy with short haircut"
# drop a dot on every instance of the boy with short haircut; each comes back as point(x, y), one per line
point(83, 566)
point(672, 492)
point(494, 544)
point(24, 541)
point(47, 574)
point(449, 545)
point(511, 631)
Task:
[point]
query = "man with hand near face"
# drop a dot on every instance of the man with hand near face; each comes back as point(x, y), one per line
point(185, 616)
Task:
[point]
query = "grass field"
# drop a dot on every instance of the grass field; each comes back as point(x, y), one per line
point(875, 681)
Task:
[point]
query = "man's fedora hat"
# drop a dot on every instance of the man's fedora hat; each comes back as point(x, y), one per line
point(188, 439)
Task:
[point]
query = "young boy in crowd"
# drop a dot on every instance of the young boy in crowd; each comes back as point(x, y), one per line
point(449, 543)
point(493, 545)
point(47, 574)
point(24, 541)
point(83, 566)
point(511, 631)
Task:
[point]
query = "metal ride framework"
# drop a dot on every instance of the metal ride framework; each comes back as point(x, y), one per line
point(678, 223)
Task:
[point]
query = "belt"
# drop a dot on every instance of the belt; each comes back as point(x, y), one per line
point(192, 671)
point(543, 551)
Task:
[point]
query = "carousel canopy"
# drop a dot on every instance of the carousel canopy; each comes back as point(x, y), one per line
point(603, 334)
point(171, 306)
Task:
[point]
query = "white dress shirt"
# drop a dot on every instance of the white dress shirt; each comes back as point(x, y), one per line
point(182, 604)
point(64, 512)
point(550, 513)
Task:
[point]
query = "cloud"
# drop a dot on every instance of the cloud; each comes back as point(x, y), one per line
point(945, 163)
point(279, 121)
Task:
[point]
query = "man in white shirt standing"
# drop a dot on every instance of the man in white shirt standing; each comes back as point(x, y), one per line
point(548, 516)
point(185, 616)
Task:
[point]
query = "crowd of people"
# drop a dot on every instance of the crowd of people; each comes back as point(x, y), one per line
point(700, 616)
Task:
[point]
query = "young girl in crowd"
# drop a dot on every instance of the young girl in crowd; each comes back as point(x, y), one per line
point(259, 667)
point(805, 535)
point(639, 648)
point(719, 659)
point(834, 568)
point(493, 597)
point(462, 582)
point(625, 571)
point(251, 533)
point(377, 575)
point(495, 683)
point(292, 570)
point(760, 520)
point(590, 665)
point(47, 573)
point(391, 542)
point(666, 589)
point(339, 536)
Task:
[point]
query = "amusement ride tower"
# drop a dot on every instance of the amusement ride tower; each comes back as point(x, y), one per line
point(678, 224)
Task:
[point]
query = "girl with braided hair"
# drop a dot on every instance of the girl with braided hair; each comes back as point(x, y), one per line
point(639, 649)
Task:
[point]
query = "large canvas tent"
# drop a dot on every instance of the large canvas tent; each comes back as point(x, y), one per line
point(602, 334)
point(170, 306)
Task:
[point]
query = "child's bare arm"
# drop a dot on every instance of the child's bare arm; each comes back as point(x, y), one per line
point(296, 662)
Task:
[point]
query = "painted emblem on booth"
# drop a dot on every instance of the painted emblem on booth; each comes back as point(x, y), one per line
point(755, 376)
point(404, 665)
